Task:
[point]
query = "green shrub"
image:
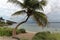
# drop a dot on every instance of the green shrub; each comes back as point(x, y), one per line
point(7, 31)
point(22, 30)
point(43, 36)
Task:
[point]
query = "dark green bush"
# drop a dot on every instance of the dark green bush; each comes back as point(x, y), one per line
point(43, 36)
point(22, 30)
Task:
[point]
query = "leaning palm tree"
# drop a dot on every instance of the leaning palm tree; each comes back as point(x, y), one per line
point(30, 7)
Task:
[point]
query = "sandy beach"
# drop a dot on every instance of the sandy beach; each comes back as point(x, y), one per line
point(6, 38)
point(28, 36)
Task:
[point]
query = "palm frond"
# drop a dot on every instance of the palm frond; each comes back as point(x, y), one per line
point(41, 18)
point(31, 3)
point(16, 2)
point(38, 21)
point(41, 8)
point(43, 2)
point(12, 1)
point(37, 6)
point(41, 13)
point(19, 12)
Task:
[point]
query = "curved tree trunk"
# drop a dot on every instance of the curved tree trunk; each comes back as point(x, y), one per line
point(14, 30)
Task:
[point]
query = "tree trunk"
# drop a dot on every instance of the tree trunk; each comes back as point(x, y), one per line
point(14, 30)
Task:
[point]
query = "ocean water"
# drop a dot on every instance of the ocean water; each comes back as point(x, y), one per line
point(33, 27)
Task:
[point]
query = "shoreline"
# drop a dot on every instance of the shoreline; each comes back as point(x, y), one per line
point(30, 32)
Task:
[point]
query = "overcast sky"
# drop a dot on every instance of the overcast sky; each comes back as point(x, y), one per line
point(6, 9)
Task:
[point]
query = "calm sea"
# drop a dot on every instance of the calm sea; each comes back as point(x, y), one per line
point(52, 26)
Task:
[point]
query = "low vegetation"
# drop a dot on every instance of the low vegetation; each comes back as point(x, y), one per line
point(57, 35)
point(22, 30)
point(44, 36)
point(38, 36)
point(8, 31)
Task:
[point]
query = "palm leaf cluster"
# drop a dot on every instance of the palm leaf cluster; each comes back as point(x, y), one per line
point(30, 7)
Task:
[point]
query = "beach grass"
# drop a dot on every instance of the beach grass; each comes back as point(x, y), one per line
point(57, 35)
point(5, 31)
point(47, 36)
